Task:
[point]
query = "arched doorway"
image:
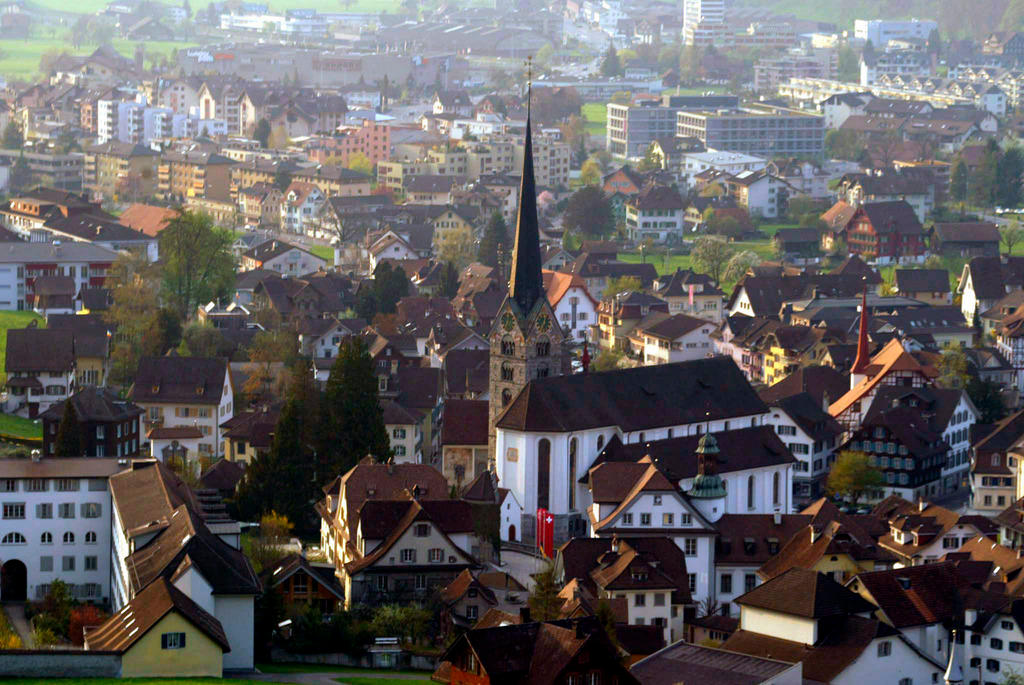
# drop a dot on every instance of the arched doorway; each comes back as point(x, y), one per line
point(13, 581)
point(512, 533)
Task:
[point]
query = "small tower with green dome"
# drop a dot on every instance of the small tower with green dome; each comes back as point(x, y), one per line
point(708, 491)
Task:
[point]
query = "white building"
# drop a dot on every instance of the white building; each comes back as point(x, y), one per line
point(703, 21)
point(301, 206)
point(881, 31)
point(574, 307)
point(715, 160)
point(677, 338)
point(811, 435)
point(21, 263)
point(54, 525)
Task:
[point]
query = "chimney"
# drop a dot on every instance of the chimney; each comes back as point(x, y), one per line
point(815, 534)
point(777, 518)
point(824, 401)
point(921, 504)
point(391, 466)
point(615, 544)
point(36, 456)
point(524, 614)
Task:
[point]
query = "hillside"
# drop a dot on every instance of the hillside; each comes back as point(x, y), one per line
point(957, 18)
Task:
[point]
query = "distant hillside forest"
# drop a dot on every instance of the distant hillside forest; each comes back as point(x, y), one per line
point(957, 18)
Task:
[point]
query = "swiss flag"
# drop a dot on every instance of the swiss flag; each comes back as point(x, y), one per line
point(546, 532)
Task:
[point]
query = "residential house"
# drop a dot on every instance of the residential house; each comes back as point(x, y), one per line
point(986, 280)
point(994, 457)
point(655, 213)
point(404, 429)
point(923, 533)
point(830, 631)
point(469, 597)
point(303, 583)
point(260, 204)
point(40, 367)
point(620, 314)
point(597, 271)
point(927, 285)
point(965, 239)
point(281, 257)
point(161, 632)
point(688, 292)
point(186, 392)
point(463, 438)
point(887, 232)
point(811, 435)
point(300, 205)
point(575, 308)
point(760, 193)
point(116, 169)
point(194, 174)
point(249, 434)
point(107, 424)
point(676, 338)
point(799, 245)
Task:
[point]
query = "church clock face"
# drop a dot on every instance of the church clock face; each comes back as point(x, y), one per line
point(543, 323)
point(508, 321)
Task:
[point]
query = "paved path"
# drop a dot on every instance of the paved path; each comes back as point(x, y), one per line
point(16, 615)
point(325, 677)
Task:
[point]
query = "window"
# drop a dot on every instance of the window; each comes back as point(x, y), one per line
point(46, 564)
point(90, 510)
point(398, 433)
point(725, 583)
point(35, 485)
point(8, 485)
point(90, 538)
point(639, 599)
point(645, 519)
point(659, 599)
point(46, 538)
point(420, 582)
point(67, 485)
point(382, 583)
point(775, 488)
point(67, 510)
point(691, 581)
point(507, 373)
point(884, 648)
point(690, 547)
point(435, 556)
point(67, 563)
point(975, 639)
point(69, 538)
point(992, 665)
point(471, 612)
point(667, 519)
point(995, 643)
point(14, 510)
point(573, 447)
point(91, 563)
point(1006, 625)
point(422, 530)
point(172, 641)
point(13, 539)
point(508, 347)
point(750, 493)
point(408, 556)
point(749, 582)
point(543, 472)
point(627, 519)
point(543, 348)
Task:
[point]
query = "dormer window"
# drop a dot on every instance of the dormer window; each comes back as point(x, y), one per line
point(199, 390)
point(156, 389)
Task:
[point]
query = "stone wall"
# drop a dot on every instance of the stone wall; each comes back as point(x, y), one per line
point(45, 663)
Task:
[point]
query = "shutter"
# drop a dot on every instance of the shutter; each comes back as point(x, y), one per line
point(163, 641)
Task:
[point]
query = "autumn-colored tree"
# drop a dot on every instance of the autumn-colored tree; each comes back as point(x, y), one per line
point(852, 476)
point(82, 617)
point(269, 352)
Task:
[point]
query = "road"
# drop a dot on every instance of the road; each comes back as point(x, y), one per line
point(325, 677)
point(16, 615)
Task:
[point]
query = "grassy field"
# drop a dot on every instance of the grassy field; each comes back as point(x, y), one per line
point(323, 252)
point(381, 681)
point(20, 58)
point(123, 681)
point(20, 428)
point(596, 116)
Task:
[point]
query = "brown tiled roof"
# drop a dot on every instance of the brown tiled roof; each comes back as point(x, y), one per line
point(818, 381)
point(634, 399)
point(135, 619)
point(838, 215)
point(457, 589)
point(174, 433)
point(706, 665)
point(95, 404)
point(748, 539)
point(811, 544)
point(968, 232)
point(192, 380)
point(282, 569)
point(465, 422)
point(378, 518)
point(892, 357)
point(223, 475)
point(187, 543)
point(371, 480)
point(840, 644)
point(39, 349)
point(914, 595)
point(1007, 566)
point(805, 593)
point(911, 281)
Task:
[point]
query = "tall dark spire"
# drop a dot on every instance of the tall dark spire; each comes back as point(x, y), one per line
point(526, 284)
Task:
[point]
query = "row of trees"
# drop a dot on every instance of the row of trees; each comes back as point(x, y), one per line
point(995, 181)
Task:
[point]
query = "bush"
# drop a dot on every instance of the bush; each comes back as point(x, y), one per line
point(83, 617)
point(45, 637)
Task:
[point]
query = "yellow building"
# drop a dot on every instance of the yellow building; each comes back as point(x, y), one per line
point(116, 168)
point(183, 175)
point(162, 633)
point(828, 547)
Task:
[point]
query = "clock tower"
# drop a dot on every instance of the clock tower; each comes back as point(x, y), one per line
point(526, 340)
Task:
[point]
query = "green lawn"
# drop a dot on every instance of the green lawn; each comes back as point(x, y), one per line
point(329, 668)
point(381, 681)
point(20, 428)
point(323, 252)
point(596, 117)
point(20, 58)
point(122, 681)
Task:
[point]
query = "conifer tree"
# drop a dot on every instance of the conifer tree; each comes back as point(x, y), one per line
point(353, 413)
point(69, 434)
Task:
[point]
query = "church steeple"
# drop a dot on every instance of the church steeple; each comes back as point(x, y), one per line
point(526, 285)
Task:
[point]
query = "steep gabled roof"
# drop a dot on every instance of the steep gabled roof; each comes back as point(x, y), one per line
point(915, 595)
point(805, 593)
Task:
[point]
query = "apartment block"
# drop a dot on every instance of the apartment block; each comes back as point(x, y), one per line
point(764, 130)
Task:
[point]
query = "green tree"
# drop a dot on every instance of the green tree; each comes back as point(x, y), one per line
point(1010, 234)
point(987, 398)
point(739, 264)
point(198, 265)
point(849, 64)
point(844, 144)
point(1009, 171)
point(958, 180)
point(69, 434)
point(610, 65)
point(651, 160)
point(495, 238)
point(269, 353)
point(353, 411)
point(590, 173)
point(607, 360)
point(449, 286)
point(623, 284)
point(852, 475)
point(21, 174)
point(357, 161)
point(589, 212)
point(952, 368)
point(282, 179)
point(262, 132)
point(390, 285)
point(984, 179)
point(12, 139)
point(203, 340)
point(544, 601)
point(711, 253)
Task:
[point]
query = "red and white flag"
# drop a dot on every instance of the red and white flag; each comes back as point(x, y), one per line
point(546, 532)
point(691, 294)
